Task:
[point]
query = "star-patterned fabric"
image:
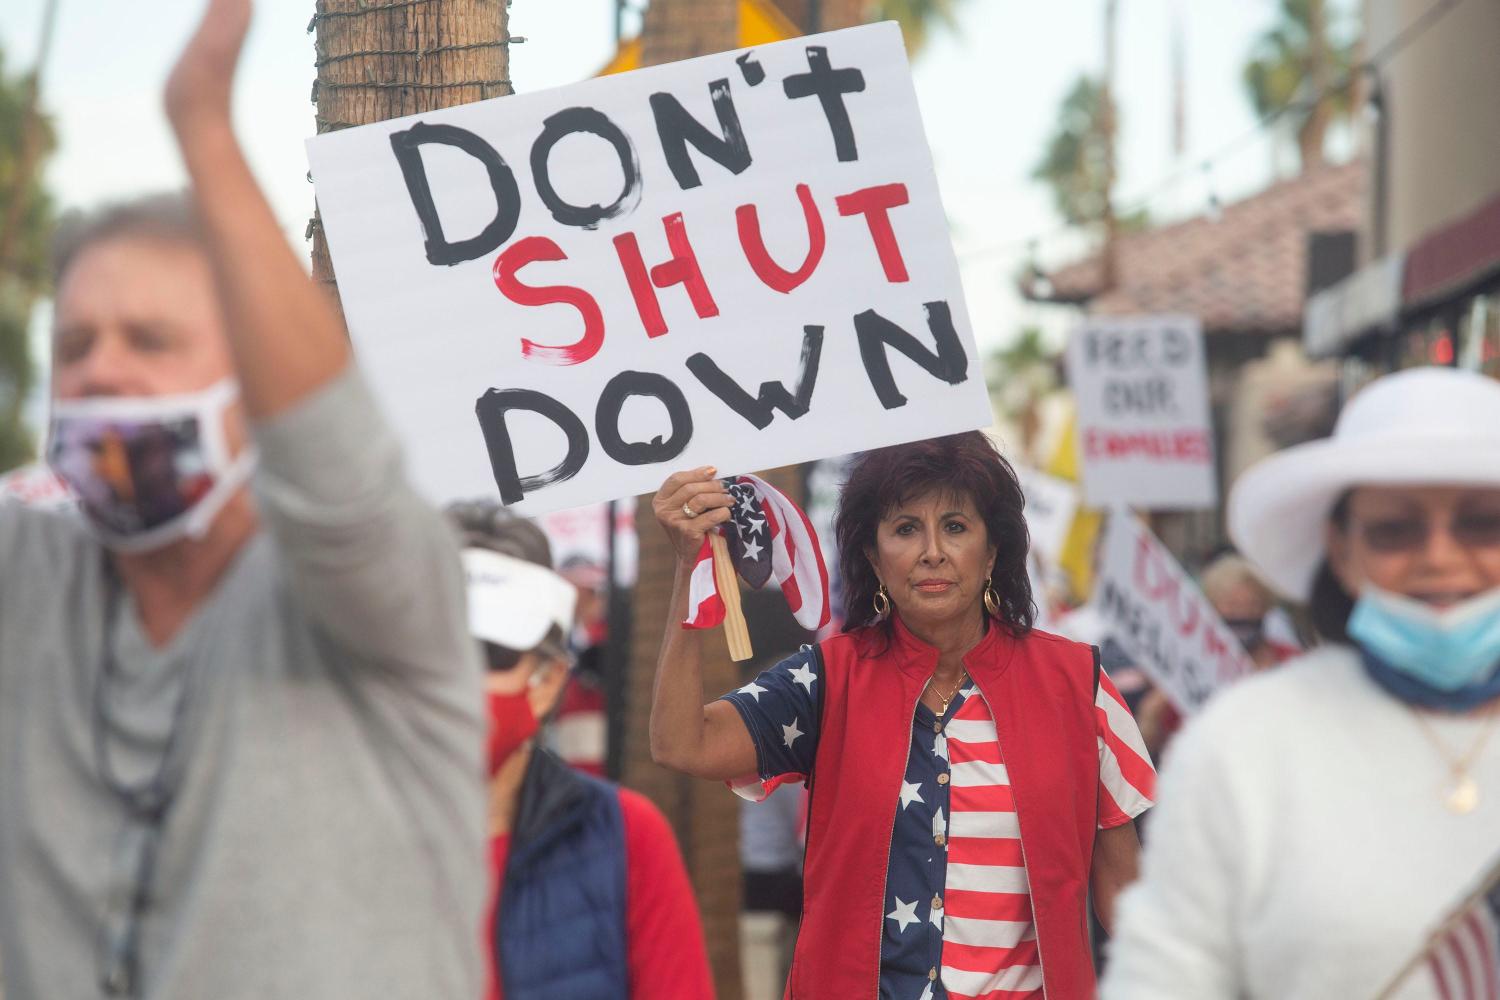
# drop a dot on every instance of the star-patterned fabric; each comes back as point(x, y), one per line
point(957, 919)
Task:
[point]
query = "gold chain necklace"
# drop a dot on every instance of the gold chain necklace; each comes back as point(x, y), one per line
point(1463, 797)
point(963, 675)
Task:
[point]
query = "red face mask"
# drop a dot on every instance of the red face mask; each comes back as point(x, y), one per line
point(512, 723)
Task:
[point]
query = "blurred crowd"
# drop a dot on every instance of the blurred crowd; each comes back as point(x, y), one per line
point(272, 726)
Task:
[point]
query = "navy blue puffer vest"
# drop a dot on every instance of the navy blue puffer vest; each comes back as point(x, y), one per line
point(561, 927)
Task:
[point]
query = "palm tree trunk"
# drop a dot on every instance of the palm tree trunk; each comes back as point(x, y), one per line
point(1314, 128)
point(1109, 126)
point(380, 59)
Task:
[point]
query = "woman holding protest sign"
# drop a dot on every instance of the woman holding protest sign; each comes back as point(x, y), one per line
point(1318, 819)
point(971, 777)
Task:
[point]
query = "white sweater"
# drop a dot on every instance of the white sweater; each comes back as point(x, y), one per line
point(1301, 848)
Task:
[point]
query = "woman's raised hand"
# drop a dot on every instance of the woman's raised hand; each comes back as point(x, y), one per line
point(689, 505)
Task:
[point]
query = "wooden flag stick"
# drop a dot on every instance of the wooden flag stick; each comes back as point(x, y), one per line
point(1449, 924)
point(728, 584)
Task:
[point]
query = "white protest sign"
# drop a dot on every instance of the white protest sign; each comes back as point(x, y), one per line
point(582, 533)
point(1144, 432)
point(1161, 617)
point(739, 260)
point(37, 486)
point(1051, 504)
point(1039, 598)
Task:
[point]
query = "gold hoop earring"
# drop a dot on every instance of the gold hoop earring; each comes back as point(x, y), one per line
point(991, 599)
point(882, 602)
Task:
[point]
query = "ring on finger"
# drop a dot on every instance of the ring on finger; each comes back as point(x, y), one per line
point(689, 512)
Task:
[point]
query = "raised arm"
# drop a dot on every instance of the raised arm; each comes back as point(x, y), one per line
point(284, 335)
point(706, 740)
point(368, 561)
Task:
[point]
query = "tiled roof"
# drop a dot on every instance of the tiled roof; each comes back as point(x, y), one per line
point(1245, 272)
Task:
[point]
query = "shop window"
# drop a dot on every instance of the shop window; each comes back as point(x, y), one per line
point(1479, 335)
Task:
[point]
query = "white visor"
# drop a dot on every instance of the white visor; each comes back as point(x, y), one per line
point(514, 603)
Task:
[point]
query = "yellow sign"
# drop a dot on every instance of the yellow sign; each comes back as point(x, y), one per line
point(627, 57)
point(761, 23)
point(1077, 558)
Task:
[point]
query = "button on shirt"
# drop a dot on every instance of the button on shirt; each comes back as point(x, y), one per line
point(958, 907)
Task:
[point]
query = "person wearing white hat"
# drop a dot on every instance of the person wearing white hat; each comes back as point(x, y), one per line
point(1315, 822)
point(592, 895)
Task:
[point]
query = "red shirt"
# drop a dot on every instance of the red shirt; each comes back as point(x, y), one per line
point(663, 934)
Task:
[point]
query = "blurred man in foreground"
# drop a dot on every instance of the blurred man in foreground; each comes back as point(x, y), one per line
point(241, 738)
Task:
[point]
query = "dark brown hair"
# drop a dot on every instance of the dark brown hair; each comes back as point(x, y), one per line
point(1329, 605)
point(961, 465)
point(485, 524)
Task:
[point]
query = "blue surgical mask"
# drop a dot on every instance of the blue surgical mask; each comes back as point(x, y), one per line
point(1447, 650)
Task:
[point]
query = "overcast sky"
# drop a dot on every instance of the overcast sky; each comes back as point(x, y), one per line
point(1010, 63)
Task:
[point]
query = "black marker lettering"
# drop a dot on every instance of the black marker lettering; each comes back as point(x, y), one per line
point(750, 69)
point(491, 411)
point(773, 395)
point(593, 122)
point(407, 146)
point(876, 334)
point(677, 128)
point(607, 419)
point(829, 86)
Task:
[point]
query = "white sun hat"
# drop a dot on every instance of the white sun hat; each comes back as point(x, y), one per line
point(514, 603)
point(1423, 426)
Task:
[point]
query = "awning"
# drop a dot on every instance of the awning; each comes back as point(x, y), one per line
point(1368, 300)
point(1454, 257)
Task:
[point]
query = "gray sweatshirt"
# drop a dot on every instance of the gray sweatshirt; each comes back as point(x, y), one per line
point(327, 837)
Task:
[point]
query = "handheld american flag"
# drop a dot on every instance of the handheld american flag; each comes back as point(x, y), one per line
point(1462, 957)
point(769, 540)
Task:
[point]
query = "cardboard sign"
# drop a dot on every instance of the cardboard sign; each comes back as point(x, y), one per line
point(1144, 431)
point(739, 261)
point(37, 486)
point(1050, 506)
point(581, 534)
point(1161, 617)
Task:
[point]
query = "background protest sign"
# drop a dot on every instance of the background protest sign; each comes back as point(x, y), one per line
point(582, 534)
point(1050, 505)
point(1144, 431)
point(37, 486)
point(1159, 615)
point(739, 260)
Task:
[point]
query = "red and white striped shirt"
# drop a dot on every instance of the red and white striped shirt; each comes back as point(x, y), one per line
point(989, 938)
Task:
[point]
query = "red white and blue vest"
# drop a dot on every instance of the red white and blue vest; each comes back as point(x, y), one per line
point(1041, 690)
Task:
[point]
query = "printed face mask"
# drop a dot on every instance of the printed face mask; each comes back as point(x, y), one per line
point(512, 723)
point(1448, 650)
point(150, 470)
